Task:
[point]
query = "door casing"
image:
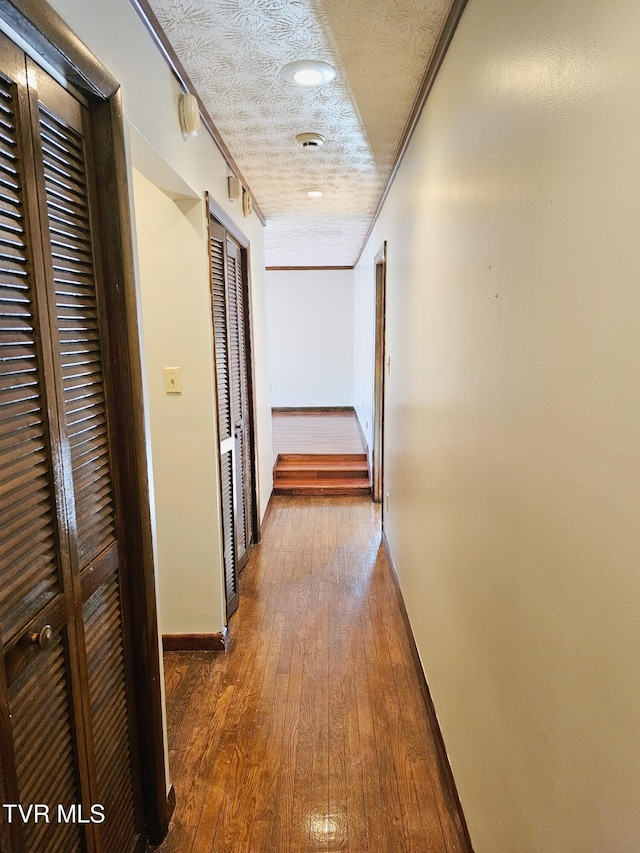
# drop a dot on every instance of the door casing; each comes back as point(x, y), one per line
point(379, 373)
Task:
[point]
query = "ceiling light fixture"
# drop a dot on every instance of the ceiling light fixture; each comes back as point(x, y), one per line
point(308, 72)
point(312, 192)
point(310, 140)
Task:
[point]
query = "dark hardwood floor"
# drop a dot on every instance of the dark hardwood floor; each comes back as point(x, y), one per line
point(309, 733)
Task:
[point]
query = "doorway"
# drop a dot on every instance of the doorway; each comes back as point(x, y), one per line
point(379, 372)
point(234, 383)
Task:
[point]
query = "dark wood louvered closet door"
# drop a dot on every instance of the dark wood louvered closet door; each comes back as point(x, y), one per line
point(239, 396)
point(228, 279)
point(67, 725)
point(217, 241)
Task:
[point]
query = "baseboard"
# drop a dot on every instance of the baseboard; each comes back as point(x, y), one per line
point(311, 410)
point(269, 509)
point(445, 773)
point(196, 642)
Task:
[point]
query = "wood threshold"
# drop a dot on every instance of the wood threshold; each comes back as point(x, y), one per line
point(291, 269)
point(151, 22)
point(445, 773)
point(439, 53)
point(311, 410)
point(217, 642)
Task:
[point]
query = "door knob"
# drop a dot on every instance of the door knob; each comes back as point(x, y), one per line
point(43, 638)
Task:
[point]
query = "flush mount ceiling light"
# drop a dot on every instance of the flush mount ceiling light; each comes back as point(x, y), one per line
point(308, 72)
point(313, 192)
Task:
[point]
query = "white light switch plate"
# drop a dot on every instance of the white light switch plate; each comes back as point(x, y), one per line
point(172, 380)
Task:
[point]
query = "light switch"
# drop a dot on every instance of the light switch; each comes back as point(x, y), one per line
point(172, 380)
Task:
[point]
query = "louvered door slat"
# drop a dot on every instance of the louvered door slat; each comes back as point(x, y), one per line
point(238, 360)
point(220, 336)
point(241, 509)
point(80, 345)
point(67, 732)
point(30, 571)
point(229, 547)
point(44, 729)
point(244, 394)
point(105, 661)
point(234, 346)
point(78, 328)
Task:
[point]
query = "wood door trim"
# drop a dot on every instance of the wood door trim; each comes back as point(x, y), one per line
point(138, 593)
point(226, 221)
point(252, 405)
point(445, 772)
point(42, 28)
point(380, 268)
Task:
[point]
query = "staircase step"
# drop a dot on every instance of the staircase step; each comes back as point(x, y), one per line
point(321, 474)
point(323, 458)
point(337, 486)
point(302, 470)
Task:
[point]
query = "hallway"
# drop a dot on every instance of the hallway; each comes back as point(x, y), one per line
point(310, 732)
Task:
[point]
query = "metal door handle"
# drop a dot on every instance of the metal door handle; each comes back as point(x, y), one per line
point(44, 638)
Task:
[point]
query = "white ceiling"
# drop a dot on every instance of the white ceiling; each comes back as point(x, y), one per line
point(233, 51)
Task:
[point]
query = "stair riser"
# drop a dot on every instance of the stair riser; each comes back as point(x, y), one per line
point(320, 475)
point(311, 458)
point(320, 492)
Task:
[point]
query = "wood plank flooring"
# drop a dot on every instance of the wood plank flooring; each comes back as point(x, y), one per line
point(316, 432)
point(309, 734)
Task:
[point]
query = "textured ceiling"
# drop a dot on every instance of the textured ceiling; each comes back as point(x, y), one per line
point(233, 51)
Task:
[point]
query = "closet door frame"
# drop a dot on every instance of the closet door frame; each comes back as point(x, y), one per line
point(41, 28)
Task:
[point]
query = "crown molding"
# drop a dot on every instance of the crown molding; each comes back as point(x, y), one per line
point(149, 19)
point(439, 53)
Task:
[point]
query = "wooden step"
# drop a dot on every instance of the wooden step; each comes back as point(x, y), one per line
point(350, 486)
point(324, 458)
point(321, 474)
point(317, 471)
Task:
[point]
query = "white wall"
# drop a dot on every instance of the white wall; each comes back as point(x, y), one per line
point(176, 312)
point(364, 339)
point(310, 332)
point(173, 262)
point(512, 440)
